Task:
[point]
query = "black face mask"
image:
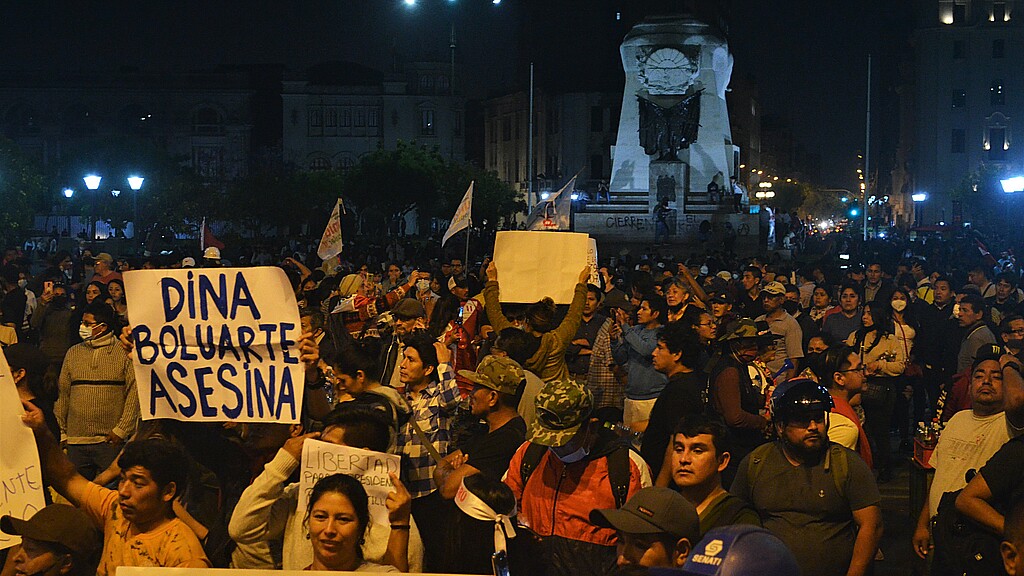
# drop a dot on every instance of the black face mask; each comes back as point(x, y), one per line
point(59, 302)
point(790, 306)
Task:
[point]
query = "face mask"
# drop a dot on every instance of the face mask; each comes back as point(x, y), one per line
point(899, 305)
point(572, 457)
point(791, 307)
point(22, 283)
point(85, 332)
point(59, 302)
point(703, 270)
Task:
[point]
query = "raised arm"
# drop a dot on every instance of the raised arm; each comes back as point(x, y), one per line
point(58, 471)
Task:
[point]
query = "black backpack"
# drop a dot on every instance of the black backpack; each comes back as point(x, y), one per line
point(962, 546)
point(618, 469)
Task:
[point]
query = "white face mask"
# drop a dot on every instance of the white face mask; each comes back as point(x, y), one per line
point(85, 332)
point(22, 283)
point(899, 305)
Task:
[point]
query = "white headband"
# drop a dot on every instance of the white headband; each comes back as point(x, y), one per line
point(477, 509)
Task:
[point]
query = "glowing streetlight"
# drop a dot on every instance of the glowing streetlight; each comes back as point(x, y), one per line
point(1011, 185)
point(92, 181)
point(919, 197)
point(68, 192)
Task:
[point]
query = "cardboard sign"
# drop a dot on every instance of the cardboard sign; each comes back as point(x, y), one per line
point(216, 344)
point(595, 276)
point(320, 459)
point(21, 478)
point(532, 265)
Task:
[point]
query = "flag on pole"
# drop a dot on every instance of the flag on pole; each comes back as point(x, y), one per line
point(463, 215)
point(207, 239)
point(553, 213)
point(330, 243)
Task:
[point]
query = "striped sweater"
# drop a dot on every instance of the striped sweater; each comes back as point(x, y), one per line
point(96, 392)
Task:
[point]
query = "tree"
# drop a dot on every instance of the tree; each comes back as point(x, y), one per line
point(22, 193)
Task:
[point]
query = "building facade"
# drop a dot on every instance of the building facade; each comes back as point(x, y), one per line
point(336, 113)
point(968, 104)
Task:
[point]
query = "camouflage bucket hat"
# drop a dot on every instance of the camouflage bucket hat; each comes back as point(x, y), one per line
point(745, 328)
point(497, 373)
point(562, 407)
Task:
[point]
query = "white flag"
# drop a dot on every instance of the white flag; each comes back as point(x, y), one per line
point(330, 243)
point(553, 213)
point(463, 215)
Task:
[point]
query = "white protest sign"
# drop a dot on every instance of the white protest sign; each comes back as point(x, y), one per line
point(532, 265)
point(21, 480)
point(320, 459)
point(216, 344)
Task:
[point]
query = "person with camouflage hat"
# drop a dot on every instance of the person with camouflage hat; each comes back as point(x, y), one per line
point(497, 386)
point(563, 472)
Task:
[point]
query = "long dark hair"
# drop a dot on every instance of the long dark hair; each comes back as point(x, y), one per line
point(350, 488)
point(881, 314)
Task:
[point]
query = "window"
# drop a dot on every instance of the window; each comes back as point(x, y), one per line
point(596, 119)
point(316, 116)
point(426, 83)
point(331, 117)
point(999, 12)
point(346, 162)
point(319, 165)
point(957, 142)
point(346, 117)
point(427, 122)
point(596, 167)
point(506, 128)
point(958, 49)
point(997, 95)
point(960, 12)
point(997, 144)
point(360, 117)
point(998, 48)
point(519, 123)
point(959, 98)
point(374, 119)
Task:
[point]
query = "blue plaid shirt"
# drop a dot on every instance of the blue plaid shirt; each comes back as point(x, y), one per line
point(433, 409)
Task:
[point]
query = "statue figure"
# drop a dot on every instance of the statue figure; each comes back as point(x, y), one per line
point(666, 131)
point(666, 188)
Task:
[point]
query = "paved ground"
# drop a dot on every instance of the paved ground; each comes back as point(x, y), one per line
point(899, 524)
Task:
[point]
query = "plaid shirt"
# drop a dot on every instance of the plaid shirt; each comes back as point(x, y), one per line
point(601, 381)
point(433, 409)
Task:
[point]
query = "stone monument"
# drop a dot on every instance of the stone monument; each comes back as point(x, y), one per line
point(674, 142)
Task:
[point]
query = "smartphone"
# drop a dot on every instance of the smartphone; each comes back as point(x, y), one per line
point(47, 287)
point(499, 562)
point(462, 312)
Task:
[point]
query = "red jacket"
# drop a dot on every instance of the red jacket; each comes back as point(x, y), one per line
point(558, 498)
point(863, 445)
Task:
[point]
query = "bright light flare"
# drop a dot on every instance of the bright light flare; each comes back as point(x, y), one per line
point(1011, 185)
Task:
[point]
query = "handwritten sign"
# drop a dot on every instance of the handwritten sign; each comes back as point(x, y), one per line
point(21, 479)
point(216, 344)
point(320, 459)
point(532, 265)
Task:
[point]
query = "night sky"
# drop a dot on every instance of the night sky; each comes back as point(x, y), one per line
point(808, 57)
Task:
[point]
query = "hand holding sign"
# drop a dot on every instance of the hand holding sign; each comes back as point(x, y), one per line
point(398, 502)
point(372, 469)
point(21, 495)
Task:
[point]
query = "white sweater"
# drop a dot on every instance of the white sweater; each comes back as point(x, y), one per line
point(267, 510)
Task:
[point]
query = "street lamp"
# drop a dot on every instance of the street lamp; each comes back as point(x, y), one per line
point(1012, 185)
point(92, 182)
point(69, 192)
point(919, 197)
point(135, 183)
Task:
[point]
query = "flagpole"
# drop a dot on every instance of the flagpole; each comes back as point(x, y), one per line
point(469, 229)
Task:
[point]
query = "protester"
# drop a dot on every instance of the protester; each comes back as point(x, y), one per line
point(655, 528)
point(337, 516)
point(59, 540)
point(632, 346)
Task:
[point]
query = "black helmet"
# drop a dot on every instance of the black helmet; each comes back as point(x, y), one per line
point(799, 395)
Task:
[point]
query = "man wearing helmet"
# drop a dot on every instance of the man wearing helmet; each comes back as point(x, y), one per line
point(831, 501)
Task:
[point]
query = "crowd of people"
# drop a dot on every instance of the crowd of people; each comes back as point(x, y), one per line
point(674, 403)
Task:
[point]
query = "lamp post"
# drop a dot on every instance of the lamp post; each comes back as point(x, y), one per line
point(918, 198)
point(135, 183)
point(92, 182)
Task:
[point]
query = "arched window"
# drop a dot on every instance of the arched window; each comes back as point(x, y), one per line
point(319, 164)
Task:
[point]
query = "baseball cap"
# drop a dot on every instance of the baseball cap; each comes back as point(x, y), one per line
point(774, 288)
point(652, 510)
point(498, 373)
point(721, 298)
point(987, 352)
point(56, 524)
point(724, 275)
point(562, 407)
point(212, 253)
point(408, 308)
point(188, 262)
point(104, 257)
point(740, 550)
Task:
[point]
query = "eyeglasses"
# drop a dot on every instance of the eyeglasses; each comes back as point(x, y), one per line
point(862, 369)
point(1018, 332)
point(706, 324)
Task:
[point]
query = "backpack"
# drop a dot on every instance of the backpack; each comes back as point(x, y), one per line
point(618, 469)
point(839, 465)
point(962, 547)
